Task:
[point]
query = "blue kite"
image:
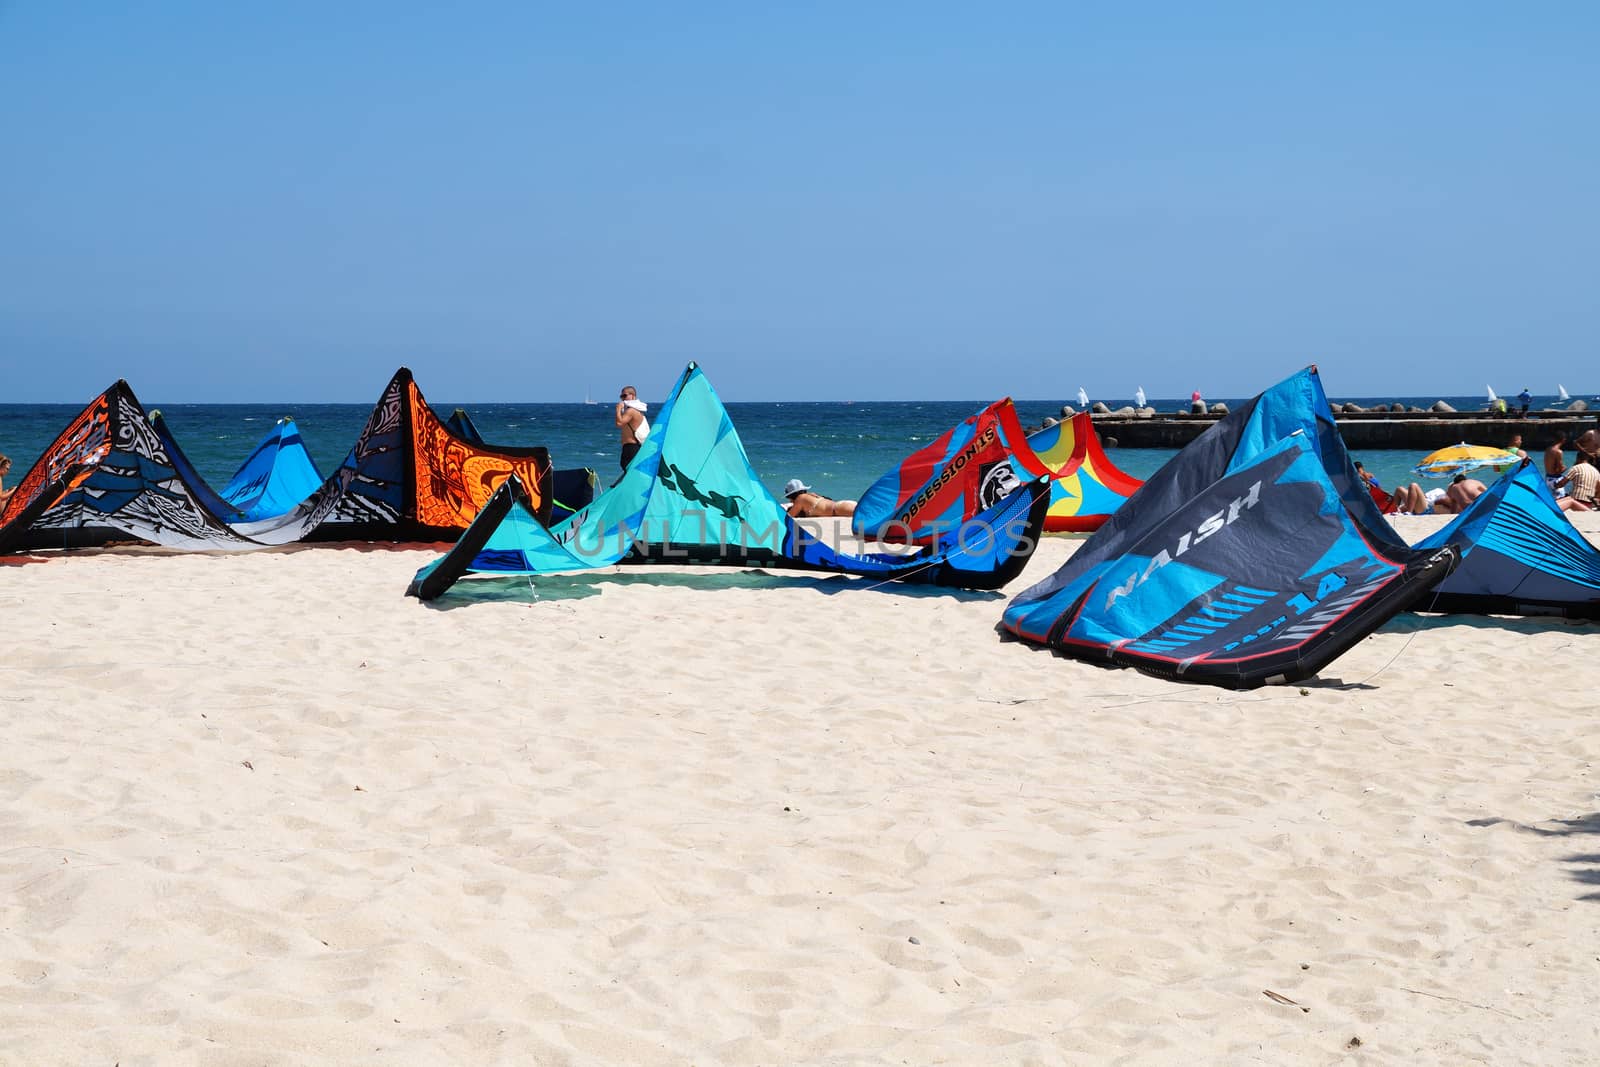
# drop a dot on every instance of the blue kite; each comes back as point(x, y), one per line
point(691, 496)
point(1254, 556)
point(1520, 554)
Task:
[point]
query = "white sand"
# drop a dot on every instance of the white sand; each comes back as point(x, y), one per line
point(263, 809)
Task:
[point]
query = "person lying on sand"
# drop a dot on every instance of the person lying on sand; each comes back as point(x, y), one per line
point(1412, 500)
point(804, 504)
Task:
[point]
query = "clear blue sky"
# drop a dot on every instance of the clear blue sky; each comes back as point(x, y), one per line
point(229, 202)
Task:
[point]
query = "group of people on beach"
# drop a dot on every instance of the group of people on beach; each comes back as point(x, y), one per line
point(1579, 482)
point(799, 498)
point(1576, 486)
point(1412, 499)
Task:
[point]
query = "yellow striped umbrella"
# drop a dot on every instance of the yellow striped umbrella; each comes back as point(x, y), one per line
point(1459, 459)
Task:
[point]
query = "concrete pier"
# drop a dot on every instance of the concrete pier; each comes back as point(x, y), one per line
point(1409, 430)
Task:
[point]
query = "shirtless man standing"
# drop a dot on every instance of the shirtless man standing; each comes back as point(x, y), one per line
point(804, 504)
point(1555, 461)
point(632, 423)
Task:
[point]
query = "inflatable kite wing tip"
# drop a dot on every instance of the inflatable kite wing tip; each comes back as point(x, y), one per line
point(418, 588)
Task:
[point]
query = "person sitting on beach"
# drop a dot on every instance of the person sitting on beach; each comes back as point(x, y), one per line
point(1387, 503)
point(1588, 443)
point(1515, 445)
point(1463, 491)
point(1580, 483)
point(5, 469)
point(804, 504)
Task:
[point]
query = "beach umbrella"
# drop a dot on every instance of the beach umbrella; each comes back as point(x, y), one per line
point(1459, 459)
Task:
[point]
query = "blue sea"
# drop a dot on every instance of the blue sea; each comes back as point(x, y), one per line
point(838, 448)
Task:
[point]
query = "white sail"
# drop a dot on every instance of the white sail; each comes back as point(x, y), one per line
point(1561, 394)
point(1138, 396)
point(1083, 398)
point(1492, 397)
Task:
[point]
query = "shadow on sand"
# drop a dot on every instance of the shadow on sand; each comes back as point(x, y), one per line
point(1584, 866)
point(559, 587)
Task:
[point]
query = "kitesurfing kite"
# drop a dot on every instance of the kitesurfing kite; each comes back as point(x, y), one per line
point(1086, 488)
point(276, 476)
point(570, 489)
point(1254, 556)
point(116, 474)
point(963, 471)
point(691, 496)
point(1520, 555)
point(978, 462)
point(109, 476)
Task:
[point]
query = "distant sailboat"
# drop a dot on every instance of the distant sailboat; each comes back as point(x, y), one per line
point(1138, 397)
point(1561, 394)
point(1492, 397)
point(1083, 398)
point(587, 399)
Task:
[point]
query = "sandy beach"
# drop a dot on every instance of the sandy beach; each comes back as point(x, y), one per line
point(264, 809)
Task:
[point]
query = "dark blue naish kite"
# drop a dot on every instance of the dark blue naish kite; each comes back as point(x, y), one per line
point(1253, 557)
point(1520, 555)
point(690, 495)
